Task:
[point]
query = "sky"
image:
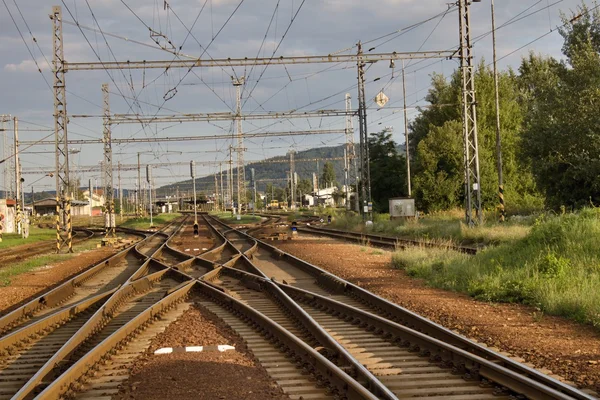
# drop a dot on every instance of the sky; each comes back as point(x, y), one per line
point(121, 30)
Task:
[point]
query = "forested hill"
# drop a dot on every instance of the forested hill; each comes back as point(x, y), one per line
point(268, 170)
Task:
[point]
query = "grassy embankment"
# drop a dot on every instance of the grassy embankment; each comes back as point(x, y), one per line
point(9, 272)
point(144, 223)
point(229, 219)
point(35, 235)
point(554, 267)
point(442, 227)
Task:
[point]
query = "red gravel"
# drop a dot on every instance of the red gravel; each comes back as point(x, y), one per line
point(206, 375)
point(30, 284)
point(564, 347)
point(186, 242)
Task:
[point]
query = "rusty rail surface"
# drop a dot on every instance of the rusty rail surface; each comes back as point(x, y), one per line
point(378, 307)
point(381, 240)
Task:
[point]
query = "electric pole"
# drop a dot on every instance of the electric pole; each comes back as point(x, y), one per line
point(120, 194)
point(216, 205)
point(230, 180)
point(64, 232)
point(149, 179)
point(349, 154)
point(364, 138)
point(292, 183)
point(473, 211)
point(10, 161)
point(498, 137)
point(193, 175)
point(18, 193)
point(109, 201)
point(241, 178)
point(406, 133)
point(138, 206)
point(223, 194)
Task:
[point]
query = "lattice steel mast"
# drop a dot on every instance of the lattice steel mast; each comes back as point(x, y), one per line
point(107, 166)
point(63, 200)
point(473, 213)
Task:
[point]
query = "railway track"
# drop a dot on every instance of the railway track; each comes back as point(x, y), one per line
point(19, 253)
point(379, 324)
point(380, 240)
point(315, 334)
point(44, 337)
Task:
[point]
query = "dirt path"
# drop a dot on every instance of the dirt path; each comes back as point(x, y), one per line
point(206, 375)
point(556, 344)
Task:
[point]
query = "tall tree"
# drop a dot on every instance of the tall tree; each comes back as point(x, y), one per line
point(561, 131)
point(437, 142)
point(328, 177)
point(388, 170)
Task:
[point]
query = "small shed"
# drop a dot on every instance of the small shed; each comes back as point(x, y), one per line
point(48, 207)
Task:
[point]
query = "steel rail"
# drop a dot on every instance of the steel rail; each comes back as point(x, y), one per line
point(407, 318)
point(137, 284)
point(382, 241)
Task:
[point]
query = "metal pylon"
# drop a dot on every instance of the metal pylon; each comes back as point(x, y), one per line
point(109, 201)
point(241, 173)
point(473, 214)
point(63, 200)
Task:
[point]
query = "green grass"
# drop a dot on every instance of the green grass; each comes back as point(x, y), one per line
point(447, 226)
point(144, 223)
point(555, 268)
point(27, 266)
point(244, 219)
point(35, 235)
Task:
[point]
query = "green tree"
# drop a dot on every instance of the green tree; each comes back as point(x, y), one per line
point(388, 170)
point(328, 177)
point(561, 135)
point(437, 144)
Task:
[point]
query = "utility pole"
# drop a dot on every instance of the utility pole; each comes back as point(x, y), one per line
point(241, 177)
point(109, 201)
point(64, 233)
point(230, 180)
point(91, 201)
point(406, 133)
point(18, 186)
point(292, 181)
point(138, 206)
point(473, 212)
point(254, 189)
point(120, 195)
point(501, 205)
point(216, 205)
point(193, 175)
point(349, 152)
point(149, 179)
point(223, 194)
point(364, 138)
point(9, 165)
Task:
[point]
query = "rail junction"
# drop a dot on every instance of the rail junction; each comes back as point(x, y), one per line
point(316, 335)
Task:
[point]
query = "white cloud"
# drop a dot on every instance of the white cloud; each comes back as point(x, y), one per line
point(27, 66)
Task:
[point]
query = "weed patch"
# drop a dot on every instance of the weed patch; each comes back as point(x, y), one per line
point(555, 268)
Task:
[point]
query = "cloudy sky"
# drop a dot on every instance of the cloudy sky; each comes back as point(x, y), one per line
point(112, 30)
